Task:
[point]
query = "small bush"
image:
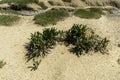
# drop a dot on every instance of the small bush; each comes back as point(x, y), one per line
point(67, 0)
point(2, 63)
point(8, 19)
point(50, 17)
point(41, 42)
point(42, 5)
point(91, 13)
point(78, 37)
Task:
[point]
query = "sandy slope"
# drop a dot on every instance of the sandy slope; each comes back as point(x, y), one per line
point(60, 64)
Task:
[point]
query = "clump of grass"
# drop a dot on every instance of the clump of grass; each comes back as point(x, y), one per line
point(91, 13)
point(2, 64)
point(8, 20)
point(42, 5)
point(50, 17)
point(78, 37)
point(66, 0)
point(41, 43)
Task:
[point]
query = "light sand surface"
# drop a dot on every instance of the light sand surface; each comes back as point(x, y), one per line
point(60, 64)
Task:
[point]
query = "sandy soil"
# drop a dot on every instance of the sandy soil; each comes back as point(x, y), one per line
point(60, 64)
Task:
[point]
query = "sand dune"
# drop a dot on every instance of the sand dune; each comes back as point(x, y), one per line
point(60, 64)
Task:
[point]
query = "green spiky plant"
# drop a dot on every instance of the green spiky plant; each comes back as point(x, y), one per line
point(41, 43)
point(37, 46)
point(50, 36)
point(77, 31)
point(77, 36)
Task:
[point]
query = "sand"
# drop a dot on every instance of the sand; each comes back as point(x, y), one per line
point(60, 64)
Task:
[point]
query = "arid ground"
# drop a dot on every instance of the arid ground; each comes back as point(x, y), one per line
point(60, 64)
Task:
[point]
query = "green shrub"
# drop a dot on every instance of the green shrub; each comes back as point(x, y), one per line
point(67, 0)
point(2, 63)
point(40, 43)
point(50, 17)
point(42, 5)
point(75, 32)
point(78, 37)
point(82, 39)
point(8, 19)
point(91, 13)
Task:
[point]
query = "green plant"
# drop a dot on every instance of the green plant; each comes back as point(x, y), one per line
point(50, 17)
point(8, 19)
point(2, 63)
point(90, 13)
point(77, 31)
point(37, 46)
point(78, 37)
point(42, 5)
point(41, 42)
point(66, 0)
point(50, 36)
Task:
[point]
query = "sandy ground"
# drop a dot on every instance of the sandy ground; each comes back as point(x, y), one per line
point(60, 64)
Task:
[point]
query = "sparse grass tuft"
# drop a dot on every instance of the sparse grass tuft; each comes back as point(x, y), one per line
point(8, 19)
point(91, 13)
point(50, 17)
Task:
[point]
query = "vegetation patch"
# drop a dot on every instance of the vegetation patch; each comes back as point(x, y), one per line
point(42, 5)
point(50, 17)
point(40, 43)
point(85, 40)
point(7, 20)
point(91, 13)
point(82, 38)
